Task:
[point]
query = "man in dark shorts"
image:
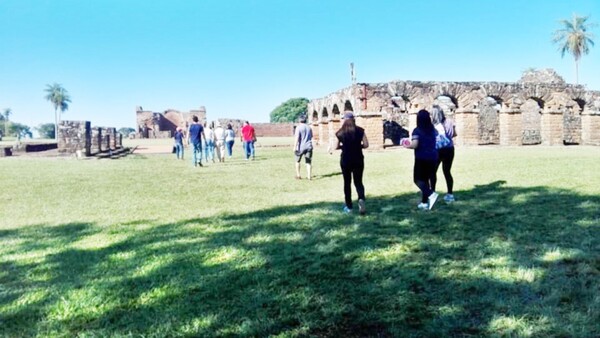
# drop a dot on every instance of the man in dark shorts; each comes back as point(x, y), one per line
point(303, 146)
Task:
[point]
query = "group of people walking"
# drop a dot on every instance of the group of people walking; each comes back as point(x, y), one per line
point(431, 140)
point(210, 143)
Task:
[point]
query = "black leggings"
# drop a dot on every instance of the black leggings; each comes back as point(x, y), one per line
point(446, 158)
point(423, 174)
point(356, 170)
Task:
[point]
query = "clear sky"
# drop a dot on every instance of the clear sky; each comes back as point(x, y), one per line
point(242, 58)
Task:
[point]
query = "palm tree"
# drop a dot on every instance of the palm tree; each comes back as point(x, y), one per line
point(60, 100)
point(574, 37)
point(6, 114)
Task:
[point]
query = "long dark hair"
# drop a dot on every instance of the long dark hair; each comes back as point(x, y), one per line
point(424, 121)
point(347, 131)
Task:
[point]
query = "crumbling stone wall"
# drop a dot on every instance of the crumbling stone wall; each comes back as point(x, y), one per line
point(110, 137)
point(532, 122)
point(590, 127)
point(541, 107)
point(96, 141)
point(316, 134)
point(488, 122)
point(162, 125)
point(274, 129)
point(74, 137)
point(77, 137)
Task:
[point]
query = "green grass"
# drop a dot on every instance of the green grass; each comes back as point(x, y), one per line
point(150, 246)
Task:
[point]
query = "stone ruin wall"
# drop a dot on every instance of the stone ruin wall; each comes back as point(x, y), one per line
point(162, 125)
point(521, 113)
point(79, 137)
point(274, 129)
point(74, 136)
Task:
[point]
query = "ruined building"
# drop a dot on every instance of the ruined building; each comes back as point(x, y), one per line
point(162, 125)
point(538, 109)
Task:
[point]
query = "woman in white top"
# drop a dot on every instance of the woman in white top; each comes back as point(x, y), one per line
point(229, 139)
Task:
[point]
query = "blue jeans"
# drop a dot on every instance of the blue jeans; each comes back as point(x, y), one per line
point(229, 148)
point(196, 153)
point(209, 150)
point(249, 149)
point(179, 150)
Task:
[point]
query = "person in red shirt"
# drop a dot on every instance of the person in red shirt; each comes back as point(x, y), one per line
point(248, 137)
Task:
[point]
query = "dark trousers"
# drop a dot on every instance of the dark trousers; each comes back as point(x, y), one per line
point(423, 175)
point(349, 171)
point(446, 157)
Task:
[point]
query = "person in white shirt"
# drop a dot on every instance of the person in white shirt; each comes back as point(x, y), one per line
point(220, 141)
point(229, 139)
point(209, 149)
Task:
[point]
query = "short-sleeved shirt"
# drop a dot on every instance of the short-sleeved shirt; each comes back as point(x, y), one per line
point(449, 129)
point(303, 135)
point(248, 133)
point(196, 130)
point(178, 137)
point(352, 147)
point(209, 134)
point(426, 149)
point(220, 134)
point(229, 135)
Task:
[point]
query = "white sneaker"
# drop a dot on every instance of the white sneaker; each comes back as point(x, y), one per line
point(432, 198)
point(361, 207)
point(449, 198)
point(423, 206)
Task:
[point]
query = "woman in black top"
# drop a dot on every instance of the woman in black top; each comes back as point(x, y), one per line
point(426, 158)
point(352, 139)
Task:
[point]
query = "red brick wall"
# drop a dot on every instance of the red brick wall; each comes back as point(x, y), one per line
point(273, 129)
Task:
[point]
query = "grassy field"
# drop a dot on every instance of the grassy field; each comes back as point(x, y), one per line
point(148, 246)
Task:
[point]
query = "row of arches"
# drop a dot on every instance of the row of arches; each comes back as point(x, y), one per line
point(487, 110)
point(336, 114)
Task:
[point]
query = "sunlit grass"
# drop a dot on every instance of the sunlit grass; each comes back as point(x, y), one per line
point(150, 246)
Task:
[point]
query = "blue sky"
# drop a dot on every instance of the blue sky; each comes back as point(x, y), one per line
point(241, 59)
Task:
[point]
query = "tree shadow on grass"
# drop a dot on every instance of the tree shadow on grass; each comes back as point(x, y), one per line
point(500, 261)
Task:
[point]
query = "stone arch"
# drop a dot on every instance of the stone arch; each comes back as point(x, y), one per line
point(348, 106)
point(488, 121)
point(324, 115)
point(315, 116)
point(449, 104)
point(531, 115)
point(335, 112)
point(540, 101)
point(581, 103)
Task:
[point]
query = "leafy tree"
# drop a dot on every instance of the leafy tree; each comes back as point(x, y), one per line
point(574, 38)
point(60, 99)
point(290, 110)
point(46, 130)
point(125, 131)
point(6, 114)
point(17, 129)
